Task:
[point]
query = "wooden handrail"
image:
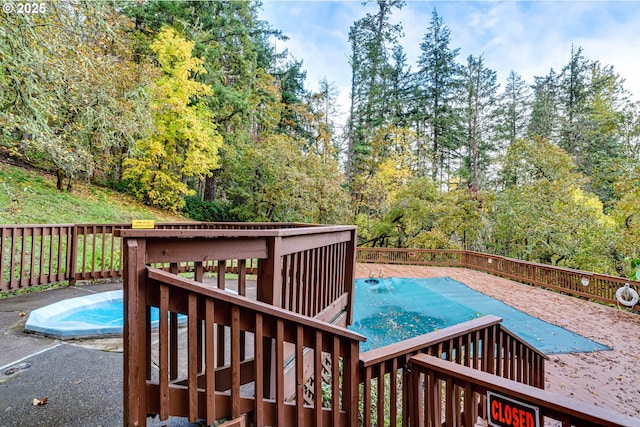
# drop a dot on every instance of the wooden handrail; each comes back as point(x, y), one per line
point(482, 344)
point(235, 342)
point(191, 285)
point(210, 388)
point(466, 391)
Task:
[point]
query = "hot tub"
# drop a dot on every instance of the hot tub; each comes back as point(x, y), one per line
point(90, 316)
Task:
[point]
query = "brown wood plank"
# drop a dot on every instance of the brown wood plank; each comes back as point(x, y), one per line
point(317, 377)
point(163, 352)
point(235, 362)
point(335, 380)
point(210, 373)
point(162, 250)
point(299, 375)
point(279, 374)
point(258, 389)
point(192, 345)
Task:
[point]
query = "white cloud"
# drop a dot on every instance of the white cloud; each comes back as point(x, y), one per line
point(527, 37)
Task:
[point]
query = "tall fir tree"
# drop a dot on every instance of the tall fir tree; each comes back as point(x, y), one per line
point(371, 39)
point(480, 90)
point(437, 118)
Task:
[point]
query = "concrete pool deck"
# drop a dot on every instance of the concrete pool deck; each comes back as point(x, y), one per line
point(83, 379)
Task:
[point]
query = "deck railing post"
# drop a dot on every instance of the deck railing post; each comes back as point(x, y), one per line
point(350, 272)
point(270, 274)
point(270, 291)
point(134, 381)
point(72, 262)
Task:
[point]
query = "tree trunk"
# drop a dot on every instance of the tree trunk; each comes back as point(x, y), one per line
point(59, 183)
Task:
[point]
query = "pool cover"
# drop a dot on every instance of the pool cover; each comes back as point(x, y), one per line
point(393, 309)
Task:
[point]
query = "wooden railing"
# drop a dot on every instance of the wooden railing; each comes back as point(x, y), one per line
point(598, 287)
point(304, 290)
point(255, 352)
point(247, 378)
point(482, 344)
point(32, 255)
point(443, 393)
point(428, 257)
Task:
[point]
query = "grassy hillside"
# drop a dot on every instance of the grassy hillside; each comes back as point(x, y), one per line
point(31, 197)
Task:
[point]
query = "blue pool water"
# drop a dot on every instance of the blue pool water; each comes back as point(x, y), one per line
point(385, 311)
point(393, 309)
point(83, 317)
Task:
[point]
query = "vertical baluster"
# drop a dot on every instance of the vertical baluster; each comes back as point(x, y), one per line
point(381, 394)
point(433, 415)
point(20, 271)
point(350, 382)
point(242, 290)
point(286, 283)
point(198, 276)
point(317, 376)
point(300, 375)
point(499, 355)
point(94, 233)
point(163, 350)
point(335, 381)
point(450, 402)
point(393, 394)
point(367, 396)
point(4, 234)
point(470, 409)
point(173, 335)
point(259, 370)
point(192, 346)
point(235, 362)
point(32, 256)
point(210, 371)
point(242, 277)
point(44, 255)
point(279, 374)
point(221, 283)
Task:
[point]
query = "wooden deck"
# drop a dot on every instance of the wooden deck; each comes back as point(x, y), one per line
point(608, 379)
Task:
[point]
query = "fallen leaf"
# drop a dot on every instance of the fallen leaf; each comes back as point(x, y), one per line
point(38, 402)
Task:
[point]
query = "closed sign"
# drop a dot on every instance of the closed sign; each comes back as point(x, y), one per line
point(507, 412)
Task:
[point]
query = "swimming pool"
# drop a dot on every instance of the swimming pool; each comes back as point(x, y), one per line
point(394, 309)
point(385, 311)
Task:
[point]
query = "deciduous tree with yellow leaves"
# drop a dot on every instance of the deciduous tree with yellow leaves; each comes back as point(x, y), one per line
point(184, 144)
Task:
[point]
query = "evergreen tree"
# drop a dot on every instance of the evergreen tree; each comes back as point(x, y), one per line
point(480, 90)
point(371, 38)
point(513, 111)
point(544, 108)
point(437, 118)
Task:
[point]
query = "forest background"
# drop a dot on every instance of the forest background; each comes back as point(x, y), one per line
point(188, 106)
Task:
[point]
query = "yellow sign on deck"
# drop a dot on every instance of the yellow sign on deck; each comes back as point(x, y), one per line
point(143, 223)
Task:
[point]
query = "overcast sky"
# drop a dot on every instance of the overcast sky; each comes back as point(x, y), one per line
point(527, 37)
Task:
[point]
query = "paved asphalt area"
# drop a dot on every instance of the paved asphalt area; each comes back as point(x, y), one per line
point(82, 384)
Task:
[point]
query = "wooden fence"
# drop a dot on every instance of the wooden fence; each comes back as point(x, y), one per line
point(482, 344)
point(239, 351)
point(32, 255)
point(443, 393)
point(593, 286)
